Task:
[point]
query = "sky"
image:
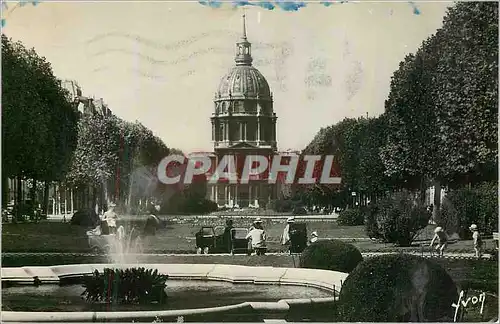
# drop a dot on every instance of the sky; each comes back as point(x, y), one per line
point(160, 63)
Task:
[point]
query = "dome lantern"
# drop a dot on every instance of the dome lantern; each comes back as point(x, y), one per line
point(243, 47)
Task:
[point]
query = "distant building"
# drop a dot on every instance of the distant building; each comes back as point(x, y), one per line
point(243, 123)
point(84, 104)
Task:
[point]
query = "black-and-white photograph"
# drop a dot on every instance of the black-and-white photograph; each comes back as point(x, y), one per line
point(249, 161)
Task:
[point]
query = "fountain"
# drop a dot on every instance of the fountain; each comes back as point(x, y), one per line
point(196, 292)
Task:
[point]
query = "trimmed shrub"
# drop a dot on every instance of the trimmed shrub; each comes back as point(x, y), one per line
point(397, 288)
point(477, 205)
point(399, 218)
point(134, 285)
point(331, 255)
point(351, 217)
point(371, 226)
point(86, 217)
point(283, 205)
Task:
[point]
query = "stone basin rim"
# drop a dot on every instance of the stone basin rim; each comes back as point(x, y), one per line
point(236, 274)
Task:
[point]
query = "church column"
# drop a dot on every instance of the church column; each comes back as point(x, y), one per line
point(250, 198)
point(226, 200)
point(229, 195)
point(236, 195)
point(241, 131)
point(245, 131)
point(213, 131)
point(258, 130)
point(227, 130)
point(257, 192)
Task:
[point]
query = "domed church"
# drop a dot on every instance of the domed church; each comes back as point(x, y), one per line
point(243, 123)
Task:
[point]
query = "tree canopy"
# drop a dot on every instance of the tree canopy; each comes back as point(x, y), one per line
point(443, 104)
point(440, 119)
point(39, 124)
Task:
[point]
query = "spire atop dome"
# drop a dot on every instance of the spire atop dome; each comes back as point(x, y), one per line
point(244, 27)
point(243, 47)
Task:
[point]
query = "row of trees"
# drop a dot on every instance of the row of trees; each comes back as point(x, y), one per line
point(100, 158)
point(38, 122)
point(440, 121)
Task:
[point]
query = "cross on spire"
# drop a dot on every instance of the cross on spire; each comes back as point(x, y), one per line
point(244, 25)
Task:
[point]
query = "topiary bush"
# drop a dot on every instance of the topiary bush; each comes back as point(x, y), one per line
point(371, 225)
point(331, 255)
point(135, 285)
point(399, 218)
point(397, 288)
point(351, 217)
point(466, 206)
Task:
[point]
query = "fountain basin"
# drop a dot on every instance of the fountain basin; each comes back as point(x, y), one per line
point(323, 288)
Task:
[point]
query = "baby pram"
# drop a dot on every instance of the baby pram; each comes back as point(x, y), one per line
point(239, 242)
point(100, 240)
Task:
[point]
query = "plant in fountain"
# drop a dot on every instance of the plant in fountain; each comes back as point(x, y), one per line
point(133, 285)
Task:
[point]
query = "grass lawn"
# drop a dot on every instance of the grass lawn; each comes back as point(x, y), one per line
point(178, 237)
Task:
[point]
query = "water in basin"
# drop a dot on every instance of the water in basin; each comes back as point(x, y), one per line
point(182, 294)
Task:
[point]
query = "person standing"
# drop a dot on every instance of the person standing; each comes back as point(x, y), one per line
point(228, 235)
point(257, 237)
point(111, 217)
point(285, 237)
point(477, 240)
point(441, 238)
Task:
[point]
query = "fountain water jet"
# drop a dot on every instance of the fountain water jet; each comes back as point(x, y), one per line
point(122, 248)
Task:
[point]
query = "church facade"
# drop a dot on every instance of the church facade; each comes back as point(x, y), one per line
point(243, 123)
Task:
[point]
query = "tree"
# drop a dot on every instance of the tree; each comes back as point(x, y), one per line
point(97, 154)
point(465, 90)
point(118, 158)
point(38, 122)
point(443, 104)
point(355, 144)
point(410, 154)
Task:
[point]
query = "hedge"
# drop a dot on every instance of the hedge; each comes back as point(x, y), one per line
point(398, 218)
point(351, 217)
point(466, 206)
point(331, 255)
point(397, 288)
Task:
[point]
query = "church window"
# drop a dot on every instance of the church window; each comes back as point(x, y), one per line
point(220, 132)
point(239, 107)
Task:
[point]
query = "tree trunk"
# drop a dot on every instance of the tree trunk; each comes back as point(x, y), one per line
point(65, 201)
point(5, 190)
point(106, 196)
point(72, 201)
point(129, 202)
point(45, 205)
point(422, 190)
point(18, 199)
point(59, 199)
point(94, 197)
point(436, 211)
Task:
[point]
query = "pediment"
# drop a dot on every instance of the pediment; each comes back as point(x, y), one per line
point(243, 145)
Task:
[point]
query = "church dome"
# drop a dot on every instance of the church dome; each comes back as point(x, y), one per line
point(245, 82)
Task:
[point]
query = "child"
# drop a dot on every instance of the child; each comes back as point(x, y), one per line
point(314, 237)
point(257, 237)
point(440, 235)
point(478, 242)
point(111, 217)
